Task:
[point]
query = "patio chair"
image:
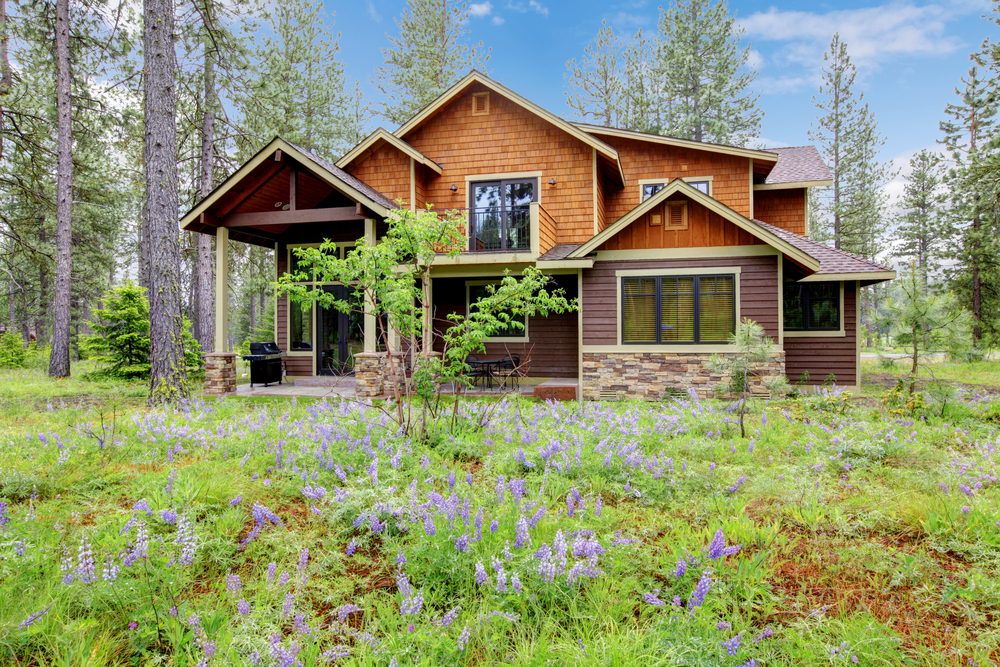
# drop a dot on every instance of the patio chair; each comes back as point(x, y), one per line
point(510, 370)
point(477, 371)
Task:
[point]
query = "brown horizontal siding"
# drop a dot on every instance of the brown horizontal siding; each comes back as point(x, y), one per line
point(508, 139)
point(644, 160)
point(822, 356)
point(705, 229)
point(299, 366)
point(552, 350)
point(782, 208)
point(758, 292)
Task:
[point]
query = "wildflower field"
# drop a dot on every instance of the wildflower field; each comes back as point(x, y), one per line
point(237, 532)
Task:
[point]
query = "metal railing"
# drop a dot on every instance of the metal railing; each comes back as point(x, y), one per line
point(499, 230)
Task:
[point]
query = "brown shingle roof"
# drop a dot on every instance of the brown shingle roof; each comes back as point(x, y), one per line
point(832, 261)
point(797, 164)
point(350, 180)
point(559, 252)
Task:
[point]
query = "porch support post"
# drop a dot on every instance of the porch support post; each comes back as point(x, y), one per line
point(221, 289)
point(370, 331)
point(579, 335)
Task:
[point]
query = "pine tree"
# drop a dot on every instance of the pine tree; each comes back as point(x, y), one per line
point(168, 381)
point(59, 359)
point(974, 215)
point(705, 75)
point(431, 53)
point(921, 232)
point(595, 84)
point(865, 202)
point(300, 90)
point(642, 92)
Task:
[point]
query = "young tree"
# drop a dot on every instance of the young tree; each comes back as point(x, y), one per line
point(168, 381)
point(59, 360)
point(705, 74)
point(595, 84)
point(430, 54)
point(752, 348)
point(966, 139)
point(921, 231)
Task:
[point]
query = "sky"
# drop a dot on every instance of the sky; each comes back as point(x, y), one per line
point(910, 55)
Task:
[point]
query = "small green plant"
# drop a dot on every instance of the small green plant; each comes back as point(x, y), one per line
point(12, 352)
point(902, 401)
point(886, 363)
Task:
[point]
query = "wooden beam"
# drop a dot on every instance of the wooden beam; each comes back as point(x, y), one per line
point(293, 189)
point(250, 188)
point(336, 214)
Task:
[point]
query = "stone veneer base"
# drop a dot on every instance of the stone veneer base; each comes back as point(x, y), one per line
point(655, 376)
point(220, 373)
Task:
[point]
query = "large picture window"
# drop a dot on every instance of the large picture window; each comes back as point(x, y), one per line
point(678, 309)
point(812, 306)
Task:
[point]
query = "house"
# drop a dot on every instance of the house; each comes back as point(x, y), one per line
point(666, 242)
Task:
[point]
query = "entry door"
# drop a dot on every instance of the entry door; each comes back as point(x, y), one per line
point(341, 335)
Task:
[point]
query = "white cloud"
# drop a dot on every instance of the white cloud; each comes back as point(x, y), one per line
point(479, 10)
point(538, 8)
point(625, 18)
point(372, 12)
point(872, 34)
point(755, 59)
point(498, 20)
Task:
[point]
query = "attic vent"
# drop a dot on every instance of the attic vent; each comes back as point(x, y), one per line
point(611, 395)
point(480, 104)
point(677, 216)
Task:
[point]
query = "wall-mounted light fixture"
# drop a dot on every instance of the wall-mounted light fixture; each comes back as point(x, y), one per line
point(552, 181)
point(454, 187)
point(277, 204)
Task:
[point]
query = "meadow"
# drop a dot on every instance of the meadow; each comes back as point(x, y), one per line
point(843, 530)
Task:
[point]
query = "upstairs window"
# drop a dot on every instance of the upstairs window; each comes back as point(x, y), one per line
point(650, 189)
point(812, 306)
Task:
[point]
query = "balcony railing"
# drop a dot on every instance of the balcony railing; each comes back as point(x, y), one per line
point(499, 229)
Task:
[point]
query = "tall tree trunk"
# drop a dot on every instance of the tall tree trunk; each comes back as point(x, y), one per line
point(59, 360)
point(168, 382)
point(204, 317)
point(6, 78)
point(253, 314)
point(42, 313)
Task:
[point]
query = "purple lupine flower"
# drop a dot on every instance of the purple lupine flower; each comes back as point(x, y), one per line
point(236, 501)
point(450, 617)
point(468, 478)
point(463, 639)
point(169, 488)
point(186, 538)
point(401, 558)
point(313, 492)
point(429, 528)
point(481, 576)
point(233, 583)
point(86, 568)
point(733, 645)
point(598, 505)
point(501, 486)
point(4, 518)
point(283, 579)
point(34, 617)
point(723, 625)
point(303, 560)
point(335, 653)
point(462, 543)
point(243, 607)
point(110, 571)
point(717, 547)
point(142, 506)
point(570, 505)
point(494, 526)
point(169, 516)
point(700, 591)
point(451, 480)
point(681, 568)
point(515, 583)
point(965, 509)
point(286, 608)
point(522, 536)
point(351, 547)
point(653, 600)
point(736, 487)
point(346, 610)
point(272, 569)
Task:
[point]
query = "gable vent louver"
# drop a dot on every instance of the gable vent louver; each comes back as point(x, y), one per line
point(480, 104)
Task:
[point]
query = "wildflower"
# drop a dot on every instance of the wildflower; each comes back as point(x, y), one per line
point(243, 607)
point(653, 600)
point(142, 506)
point(598, 505)
point(169, 516)
point(401, 558)
point(4, 518)
point(346, 610)
point(303, 561)
point(681, 568)
point(351, 547)
point(494, 526)
point(515, 583)
point(481, 576)
point(236, 501)
point(450, 617)
point(34, 617)
point(462, 543)
point(169, 488)
point(429, 528)
point(522, 536)
point(335, 653)
point(110, 571)
point(286, 608)
point(271, 571)
point(233, 583)
point(185, 538)
point(700, 591)
point(732, 646)
point(717, 547)
point(86, 568)
point(723, 625)
point(463, 639)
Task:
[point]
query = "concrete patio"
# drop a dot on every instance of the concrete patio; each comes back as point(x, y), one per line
point(343, 387)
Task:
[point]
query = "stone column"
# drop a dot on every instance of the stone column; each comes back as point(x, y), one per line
point(369, 371)
point(220, 373)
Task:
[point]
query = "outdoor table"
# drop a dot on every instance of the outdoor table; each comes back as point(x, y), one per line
point(490, 366)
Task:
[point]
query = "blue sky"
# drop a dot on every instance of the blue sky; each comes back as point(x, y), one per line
point(910, 55)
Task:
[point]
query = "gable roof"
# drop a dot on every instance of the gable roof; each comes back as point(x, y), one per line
point(381, 134)
point(478, 77)
point(833, 262)
point(332, 174)
point(798, 166)
point(694, 194)
point(764, 154)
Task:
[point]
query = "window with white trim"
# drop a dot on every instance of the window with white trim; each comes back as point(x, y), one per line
point(678, 309)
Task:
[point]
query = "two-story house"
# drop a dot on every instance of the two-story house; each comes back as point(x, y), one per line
point(667, 243)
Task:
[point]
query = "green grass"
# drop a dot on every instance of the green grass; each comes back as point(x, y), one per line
point(851, 548)
point(977, 373)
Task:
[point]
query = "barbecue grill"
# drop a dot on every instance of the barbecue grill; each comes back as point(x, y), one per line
point(265, 363)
